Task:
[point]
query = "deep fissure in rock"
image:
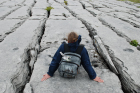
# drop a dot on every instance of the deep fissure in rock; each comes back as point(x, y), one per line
point(30, 10)
point(29, 74)
point(48, 14)
point(39, 41)
point(25, 70)
point(83, 5)
point(30, 13)
point(128, 85)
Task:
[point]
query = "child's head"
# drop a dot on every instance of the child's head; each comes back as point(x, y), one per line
point(72, 37)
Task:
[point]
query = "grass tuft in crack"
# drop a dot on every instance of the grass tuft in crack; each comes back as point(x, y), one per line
point(66, 2)
point(134, 43)
point(49, 9)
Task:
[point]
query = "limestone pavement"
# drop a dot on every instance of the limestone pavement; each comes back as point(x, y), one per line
point(30, 36)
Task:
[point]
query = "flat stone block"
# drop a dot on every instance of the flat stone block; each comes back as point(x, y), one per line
point(86, 4)
point(39, 12)
point(29, 2)
point(4, 11)
point(36, 17)
point(123, 27)
point(96, 12)
point(7, 26)
point(41, 4)
point(12, 54)
point(21, 13)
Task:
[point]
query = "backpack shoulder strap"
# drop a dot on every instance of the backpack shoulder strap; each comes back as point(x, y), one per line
point(66, 48)
point(79, 49)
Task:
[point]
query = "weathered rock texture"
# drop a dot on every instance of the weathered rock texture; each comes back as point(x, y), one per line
point(30, 36)
point(20, 38)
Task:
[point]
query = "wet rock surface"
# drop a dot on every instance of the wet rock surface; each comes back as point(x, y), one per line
point(30, 36)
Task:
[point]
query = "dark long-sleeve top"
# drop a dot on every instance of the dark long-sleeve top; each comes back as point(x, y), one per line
point(85, 61)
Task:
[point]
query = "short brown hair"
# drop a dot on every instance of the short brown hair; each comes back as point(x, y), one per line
point(72, 37)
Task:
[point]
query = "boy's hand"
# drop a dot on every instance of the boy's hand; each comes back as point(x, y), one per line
point(98, 79)
point(46, 76)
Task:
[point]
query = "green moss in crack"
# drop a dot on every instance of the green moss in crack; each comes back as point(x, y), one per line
point(138, 6)
point(66, 2)
point(134, 43)
point(49, 8)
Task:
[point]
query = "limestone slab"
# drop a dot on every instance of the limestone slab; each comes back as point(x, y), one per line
point(59, 12)
point(29, 2)
point(4, 11)
point(82, 12)
point(64, 17)
point(121, 4)
point(7, 27)
point(126, 15)
point(60, 1)
point(123, 9)
point(13, 3)
point(2, 1)
point(127, 18)
point(86, 4)
point(57, 5)
point(73, 3)
point(106, 10)
point(36, 18)
point(75, 7)
point(9, 3)
point(97, 5)
point(108, 5)
point(41, 4)
point(123, 27)
point(93, 11)
point(13, 54)
point(39, 12)
point(21, 13)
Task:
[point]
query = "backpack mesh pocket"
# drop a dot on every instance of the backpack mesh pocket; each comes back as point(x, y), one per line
point(68, 70)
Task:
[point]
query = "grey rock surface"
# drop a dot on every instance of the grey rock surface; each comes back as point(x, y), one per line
point(19, 45)
point(27, 89)
point(7, 28)
point(41, 4)
point(15, 48)
point(122, 27)
point(30, 36)
point(4, 11)
point(21, 13)
point(29, 3)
